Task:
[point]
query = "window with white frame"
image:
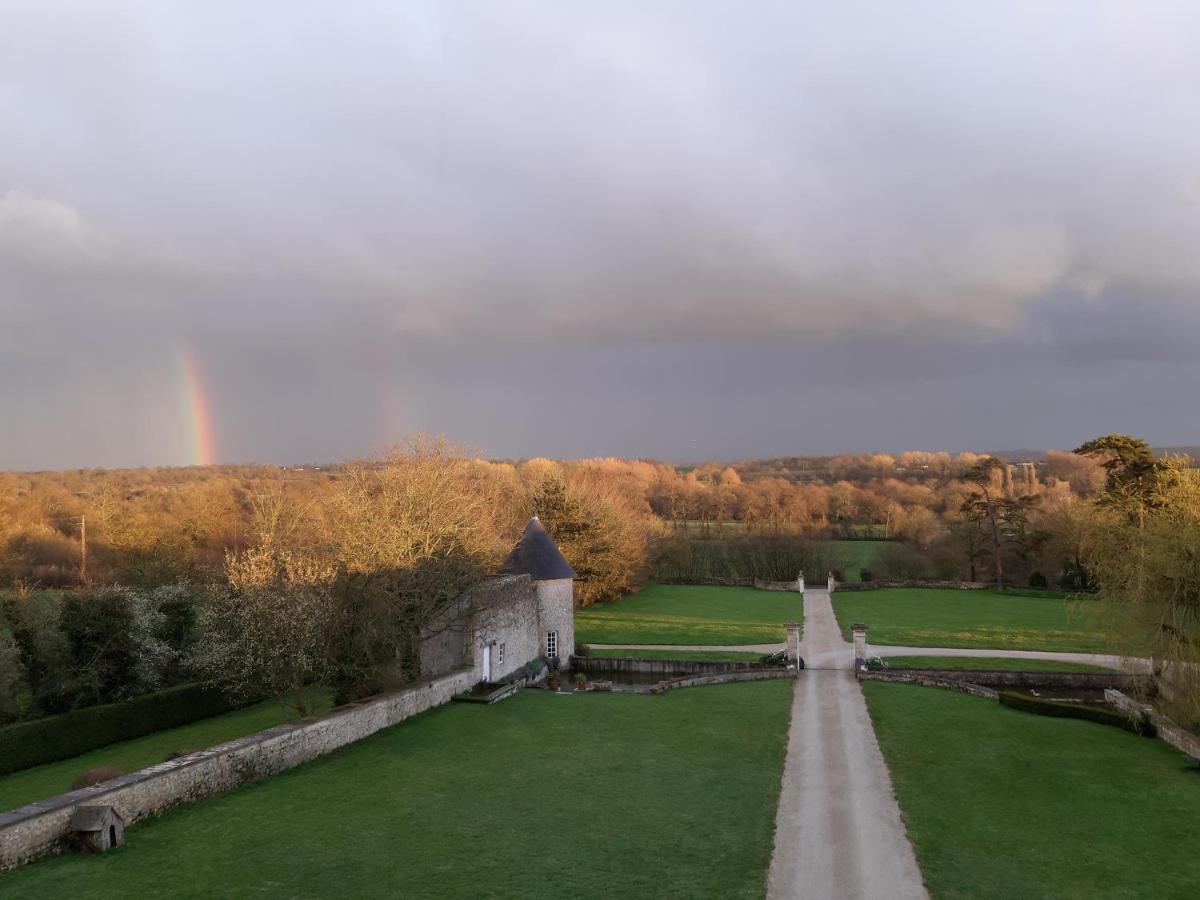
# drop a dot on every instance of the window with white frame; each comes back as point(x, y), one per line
point(500, 653)
point(551, 644)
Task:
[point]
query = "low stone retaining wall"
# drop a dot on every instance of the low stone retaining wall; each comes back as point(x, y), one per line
point(720, 582)
point(42, 828)
point(792, 586)
point(699, 680)
point(664, 667)
point(759, 583)
point(875, 585)
point(1178, 737)
point(1022, 680)
point(916, 676)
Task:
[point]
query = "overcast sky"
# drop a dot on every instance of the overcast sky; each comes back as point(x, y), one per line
point(674, 229)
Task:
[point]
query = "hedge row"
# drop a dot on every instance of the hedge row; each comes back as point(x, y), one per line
point(1101, 714)
point(53, 738)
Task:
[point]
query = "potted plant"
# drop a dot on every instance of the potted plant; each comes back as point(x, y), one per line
point(580, 681)
point(552, 682)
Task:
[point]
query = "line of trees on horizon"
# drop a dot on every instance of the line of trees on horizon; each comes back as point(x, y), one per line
point(329, 577)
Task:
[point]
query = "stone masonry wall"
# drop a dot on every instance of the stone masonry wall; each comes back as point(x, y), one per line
point(41, 828)
point(506, 616)
point(557, 611)
point(664, 667)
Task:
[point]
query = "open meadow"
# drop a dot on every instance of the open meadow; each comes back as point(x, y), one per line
point(939, 617)
point(1001, 804)
point(690, 614)
point(542, 795)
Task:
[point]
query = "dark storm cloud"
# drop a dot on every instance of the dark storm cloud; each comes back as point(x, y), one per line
point(678, 229)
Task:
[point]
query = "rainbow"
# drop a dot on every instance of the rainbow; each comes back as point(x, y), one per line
point(202, 436)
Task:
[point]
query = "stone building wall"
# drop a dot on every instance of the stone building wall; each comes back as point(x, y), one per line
point(41, 828)
point(557, 601)
point(506, 617)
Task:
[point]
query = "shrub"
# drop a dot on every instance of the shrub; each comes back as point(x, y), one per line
point(876, 664)
point(94, 776)
point(866, 575)
point(582, 650)
point(1037, 580)
point(26, 744)
point(1099, 714)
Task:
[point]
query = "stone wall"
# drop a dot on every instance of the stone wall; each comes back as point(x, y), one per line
point(724, 678)
point(506, 615)
point(1016, 680)
point(557, 603)
point(875, 585)
point(1167, 730)
point(776, 585)
point(664, 667)
point(42, 828)
point(938, 681)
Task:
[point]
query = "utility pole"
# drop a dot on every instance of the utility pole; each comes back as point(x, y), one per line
point(83, 549)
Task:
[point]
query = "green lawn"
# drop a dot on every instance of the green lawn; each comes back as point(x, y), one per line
point(1004, 804)
point(702, 655)
point(988, 663)
point(542, 795)
point(690, 614)
point(936, 617)
point(42, 782)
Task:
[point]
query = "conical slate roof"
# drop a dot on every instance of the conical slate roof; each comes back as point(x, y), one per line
point(537, 556)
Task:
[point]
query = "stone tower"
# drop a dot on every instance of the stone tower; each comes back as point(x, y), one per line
point(537, 556)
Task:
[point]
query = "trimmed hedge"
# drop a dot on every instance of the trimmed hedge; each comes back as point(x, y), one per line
point(1100, 714)
point(53, 738)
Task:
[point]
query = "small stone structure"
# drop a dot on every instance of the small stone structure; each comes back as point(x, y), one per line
point(97, 828)
point(831, 583)
point(793, 643)
point(800, 582)
point(861, 649)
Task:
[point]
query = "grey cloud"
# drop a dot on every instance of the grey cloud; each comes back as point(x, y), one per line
point(400, 211)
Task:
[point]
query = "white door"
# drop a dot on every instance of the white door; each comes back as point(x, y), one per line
point(487, 662)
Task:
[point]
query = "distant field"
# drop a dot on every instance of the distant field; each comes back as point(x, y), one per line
point(988, 663)
point(933, 617)
point(690, 614)
point(1002, 804)
point(41, 782)
point(540, 796)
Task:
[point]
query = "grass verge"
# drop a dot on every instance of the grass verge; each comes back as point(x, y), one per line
point(690, 614)
point(942, 617)
point(543, 795)
point(1004, 804)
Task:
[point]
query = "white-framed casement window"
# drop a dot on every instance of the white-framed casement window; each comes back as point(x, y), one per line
point(500, 653)
point(551, 644)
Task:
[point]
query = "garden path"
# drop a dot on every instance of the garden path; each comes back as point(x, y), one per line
point(838, 831)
